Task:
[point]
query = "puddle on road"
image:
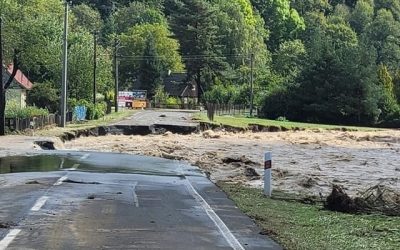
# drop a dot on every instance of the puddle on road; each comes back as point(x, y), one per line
point(99, 163)
point(40, 163)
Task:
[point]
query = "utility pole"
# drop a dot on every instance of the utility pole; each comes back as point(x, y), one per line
point(116, 74)
point(94, 66)
point(64, 70)
point(2, 92)
point(251, 83)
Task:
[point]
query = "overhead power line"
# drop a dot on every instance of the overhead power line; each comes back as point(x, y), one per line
point(189, 56)
point(185, 58)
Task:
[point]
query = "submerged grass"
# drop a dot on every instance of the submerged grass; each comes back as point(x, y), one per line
point(244, 122)
point(299, 226)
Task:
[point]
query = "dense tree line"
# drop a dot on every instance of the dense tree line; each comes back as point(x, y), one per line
point(334, 61)
point(35, 29)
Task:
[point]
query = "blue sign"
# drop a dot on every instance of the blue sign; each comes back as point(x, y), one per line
point(80, 113)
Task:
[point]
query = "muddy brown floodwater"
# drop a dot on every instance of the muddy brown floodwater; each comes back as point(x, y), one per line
point(305, 162)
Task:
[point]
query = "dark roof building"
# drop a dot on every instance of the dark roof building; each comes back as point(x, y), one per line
point(177, 85)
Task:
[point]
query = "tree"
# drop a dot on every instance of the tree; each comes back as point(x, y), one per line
point(44, 95)
point(361, 16)
point(81, 67)
point(137, 13)
point(311, 6)
point(396, 83)
point(241, 30)
point(36, 34)
point(133, 45)
point(391, 5)
point(87, 17)
point(388, 102)
point(151, 70)
point(338, 85)
point(283, 21)
point(289, 58)
point(26, 49)
point(384, 34)
point(193, 23)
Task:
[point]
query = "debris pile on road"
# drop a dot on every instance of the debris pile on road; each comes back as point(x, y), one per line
point(377, 199)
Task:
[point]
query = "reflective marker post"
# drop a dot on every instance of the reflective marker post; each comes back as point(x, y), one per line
point(268, 174)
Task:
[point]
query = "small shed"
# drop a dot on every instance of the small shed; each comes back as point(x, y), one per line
point(19, 86)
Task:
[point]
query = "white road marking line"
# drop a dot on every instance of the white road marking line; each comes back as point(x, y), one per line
point(85, 156)
point(60, 181)
point(6, 241)
point(75, 166)
point(39, 203)
point(230, 238)
point(135, 197)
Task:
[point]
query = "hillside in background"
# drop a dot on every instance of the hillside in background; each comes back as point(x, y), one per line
point(330, 61)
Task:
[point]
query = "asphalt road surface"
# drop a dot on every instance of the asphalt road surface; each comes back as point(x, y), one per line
point(160, 117)
point(112, 201)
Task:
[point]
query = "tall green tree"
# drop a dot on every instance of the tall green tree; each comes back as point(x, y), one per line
point(137, 13)
point(361, 16)
point(242, 32)
point(338, 84)
point(87, 17)
point(391, 5)
point(151, 69)
point(133, 44)
point(384, 33)
point(283, 21)
point(396, 83)
point(288, 60)
point(193, 23)
point(388, 102)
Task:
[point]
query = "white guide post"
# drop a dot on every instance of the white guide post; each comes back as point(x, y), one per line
point(268, 174)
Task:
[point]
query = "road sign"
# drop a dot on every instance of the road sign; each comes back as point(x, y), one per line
point(126, 98)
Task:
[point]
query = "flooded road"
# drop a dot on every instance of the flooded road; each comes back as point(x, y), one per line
point(101, 163)
point(304, 162)
point(88, 200)
point(38, 163)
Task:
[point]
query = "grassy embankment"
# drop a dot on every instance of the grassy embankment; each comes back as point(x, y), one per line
point(113, 117)
point(299, 226)
point(243, 122)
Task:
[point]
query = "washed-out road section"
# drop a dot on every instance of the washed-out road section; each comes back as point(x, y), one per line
point(159, 121)
point(78, 200)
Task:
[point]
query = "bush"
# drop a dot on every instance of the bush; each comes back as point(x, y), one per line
point(160, 96)
point(228, 94)
point(276, 104)
point(93, 112)
point(72, 103)
point(14, 111)
point(43, 95)
point(173, 101)
point(97, 111)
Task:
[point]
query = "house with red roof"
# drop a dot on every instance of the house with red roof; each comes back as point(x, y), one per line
point(18, 88)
